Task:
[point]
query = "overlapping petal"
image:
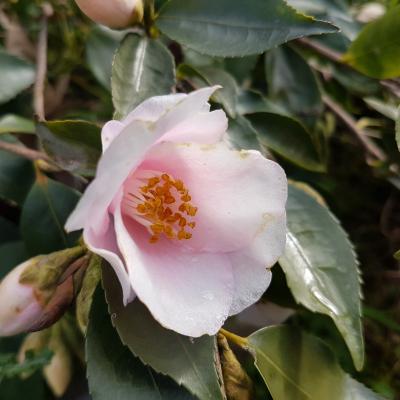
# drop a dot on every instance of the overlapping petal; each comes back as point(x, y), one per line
point(188, 292)
point(250, 266)
point(127, 149)
point(236, 193)
point(193, 284)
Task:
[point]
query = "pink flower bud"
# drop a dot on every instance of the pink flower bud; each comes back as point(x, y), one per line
point(36, 293)
point(20, 308)
point(113, 13)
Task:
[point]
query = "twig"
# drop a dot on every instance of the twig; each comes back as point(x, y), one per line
point(395, 275)
point(41, 64)
point(323, 50)
point(16, 40)
point(368, 144)
point(392, 85)
point(35, 155)
point(23, 151)
point(389, 84)
point(232, 337)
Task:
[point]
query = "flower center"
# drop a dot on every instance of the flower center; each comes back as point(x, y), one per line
point(163, 205)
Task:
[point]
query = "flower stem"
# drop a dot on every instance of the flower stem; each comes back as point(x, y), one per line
point(232, 337)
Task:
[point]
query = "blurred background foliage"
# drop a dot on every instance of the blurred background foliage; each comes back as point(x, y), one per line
point(330, 126)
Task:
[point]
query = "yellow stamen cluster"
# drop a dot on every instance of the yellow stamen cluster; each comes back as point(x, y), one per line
point(160, 194)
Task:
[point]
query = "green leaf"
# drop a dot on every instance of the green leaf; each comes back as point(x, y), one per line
point(288, 138)
point(8, 230)
point(83, 301)
point(398, 128)
point(242, 135)
point(354, 81)
point(335, 11)
point(210, 76)
point(100, 48)
point(142, 68)
point(10, 367)
point(251, 101)
point(357, 391)
point(11, 254)
point(382, 317)
point(296, 365)
point(16, 174)
point(229, 29)
point(74, 145)
point(16, 75)
point(11, 123)
point(291, 82)
point(44, 213)
point(113, 372)
point(321, 267)
point(388, 110)
point(241, 67)
point(376, 50)
point(190, 362)
point(32, 388)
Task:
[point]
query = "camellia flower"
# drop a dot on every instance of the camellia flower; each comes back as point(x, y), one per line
point(188, 224)
point(113, 13)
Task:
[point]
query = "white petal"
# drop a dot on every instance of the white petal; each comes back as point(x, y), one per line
point(237, 193)
point(152, 109)
point(124, 154)
point(109, 132)
point(187, 292)
point(192, 104)
point(251, 265)
point(105, 246)
point(121, 157)
point(203, 127)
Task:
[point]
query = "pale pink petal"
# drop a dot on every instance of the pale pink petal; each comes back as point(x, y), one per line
point(190, 293)
point(251, 265)
point(105, 246)
point(124, 154)
point(20, 308)
point(192, 104)
point(121, 157)
point(155, 107)
point(237, 193)
point(196, 124)
point(115, 14)
point(110, 131)
point(203, 127)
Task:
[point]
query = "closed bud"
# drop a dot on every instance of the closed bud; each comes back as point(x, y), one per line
point(238, 384)
point(58, 373)
point(19, 307)
point(113, 13)
point(36, 293)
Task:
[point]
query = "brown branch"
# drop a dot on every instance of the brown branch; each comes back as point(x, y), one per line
point(395, 275)
point(35, 155)
point(23, 151)
point(323, 50)
point(41, 64)
point(351, 123)
point(389, 84)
